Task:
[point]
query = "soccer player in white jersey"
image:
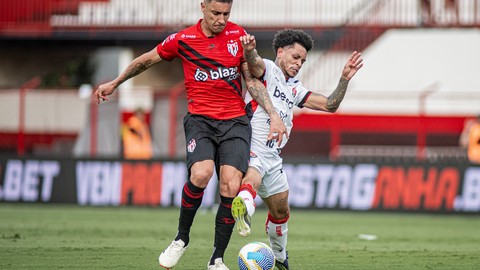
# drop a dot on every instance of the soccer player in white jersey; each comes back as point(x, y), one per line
point(265, 174)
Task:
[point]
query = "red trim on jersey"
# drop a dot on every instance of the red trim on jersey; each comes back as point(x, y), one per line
point(300, 105)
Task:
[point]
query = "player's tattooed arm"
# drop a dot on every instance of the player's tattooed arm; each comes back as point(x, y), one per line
point(330, 104)
point(334, 100)
point(255, 62)
point(137, 66)
point(258, 91)
point(354, 63)
point(260, 94)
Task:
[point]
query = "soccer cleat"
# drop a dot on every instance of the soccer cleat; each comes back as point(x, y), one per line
point(282, 265)
point(219, 265)
point(170, 257)
point(240, 214)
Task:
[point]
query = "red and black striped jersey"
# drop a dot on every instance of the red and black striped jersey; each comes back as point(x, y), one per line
point(211, 67)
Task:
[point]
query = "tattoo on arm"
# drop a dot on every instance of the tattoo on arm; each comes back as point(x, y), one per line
point(334, 100)
point(258, 91)
point(252, 57)
point(135, 69)
point(260, 95)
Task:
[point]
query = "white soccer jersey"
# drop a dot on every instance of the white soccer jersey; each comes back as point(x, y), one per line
point(284, 95)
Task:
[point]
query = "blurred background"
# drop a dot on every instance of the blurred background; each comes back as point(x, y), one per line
point(410, 103)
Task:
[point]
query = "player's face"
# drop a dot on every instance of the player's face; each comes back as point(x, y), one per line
point(291, 59)
point(215, 17)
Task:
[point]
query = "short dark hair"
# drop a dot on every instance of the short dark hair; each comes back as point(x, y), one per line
point(288, 37)
point(221, 1)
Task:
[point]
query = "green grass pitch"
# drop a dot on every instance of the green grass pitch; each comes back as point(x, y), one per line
point(34, 236)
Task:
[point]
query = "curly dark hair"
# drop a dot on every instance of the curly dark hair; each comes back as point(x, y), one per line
point(289, 37)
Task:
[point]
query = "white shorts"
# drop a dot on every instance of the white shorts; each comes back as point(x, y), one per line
point(274, 179)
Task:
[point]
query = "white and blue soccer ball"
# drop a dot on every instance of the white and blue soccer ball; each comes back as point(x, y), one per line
point(256, 256)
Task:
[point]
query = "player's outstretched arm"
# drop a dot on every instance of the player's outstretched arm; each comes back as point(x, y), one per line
point(260, 94)
point(255, 62)
point(137, 66)
point(332, 102)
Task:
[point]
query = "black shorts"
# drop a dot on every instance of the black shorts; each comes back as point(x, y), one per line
point(226, 142)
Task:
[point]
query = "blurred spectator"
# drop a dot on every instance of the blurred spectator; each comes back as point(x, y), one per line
point(470, 139)
point(427, 14)
point(137, 141)
point(463, 140)
point(449, 14)
point(474, 142)
point(451, 6)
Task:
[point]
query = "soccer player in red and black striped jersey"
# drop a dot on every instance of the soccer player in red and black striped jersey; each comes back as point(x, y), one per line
point(217, 130)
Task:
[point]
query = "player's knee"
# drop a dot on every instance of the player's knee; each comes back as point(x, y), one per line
point(200, 176)
point(280, 213)
point(283, 212)
point(229, 188)
point(230, 181)
point(252, 182)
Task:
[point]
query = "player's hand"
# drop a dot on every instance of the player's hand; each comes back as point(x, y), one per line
point(249, 43)
point(354, 63)
point(277, 129)
point(104, 91)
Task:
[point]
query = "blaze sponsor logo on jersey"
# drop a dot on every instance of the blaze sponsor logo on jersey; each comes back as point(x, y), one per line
point(200, 75)
point(217, 71)
point(232, 47)
point(191, 146)
point(230, 73)
point(221, 73)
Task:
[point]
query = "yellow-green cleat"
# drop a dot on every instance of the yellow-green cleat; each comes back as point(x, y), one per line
point(240, 214)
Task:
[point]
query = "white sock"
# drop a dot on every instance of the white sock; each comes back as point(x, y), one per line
point(249, 202)
point(277, 233)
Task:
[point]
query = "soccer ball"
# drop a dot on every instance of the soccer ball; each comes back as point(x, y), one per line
point(256, 256)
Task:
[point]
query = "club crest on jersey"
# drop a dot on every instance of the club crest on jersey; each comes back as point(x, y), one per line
point(191, 146)
point(232, 47)
point(294, 92)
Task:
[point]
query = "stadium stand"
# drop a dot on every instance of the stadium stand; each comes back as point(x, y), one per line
point(337, 26)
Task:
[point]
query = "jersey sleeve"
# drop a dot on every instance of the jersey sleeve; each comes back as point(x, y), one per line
point(301, 95)
point(269, 65)
point(168, 49)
